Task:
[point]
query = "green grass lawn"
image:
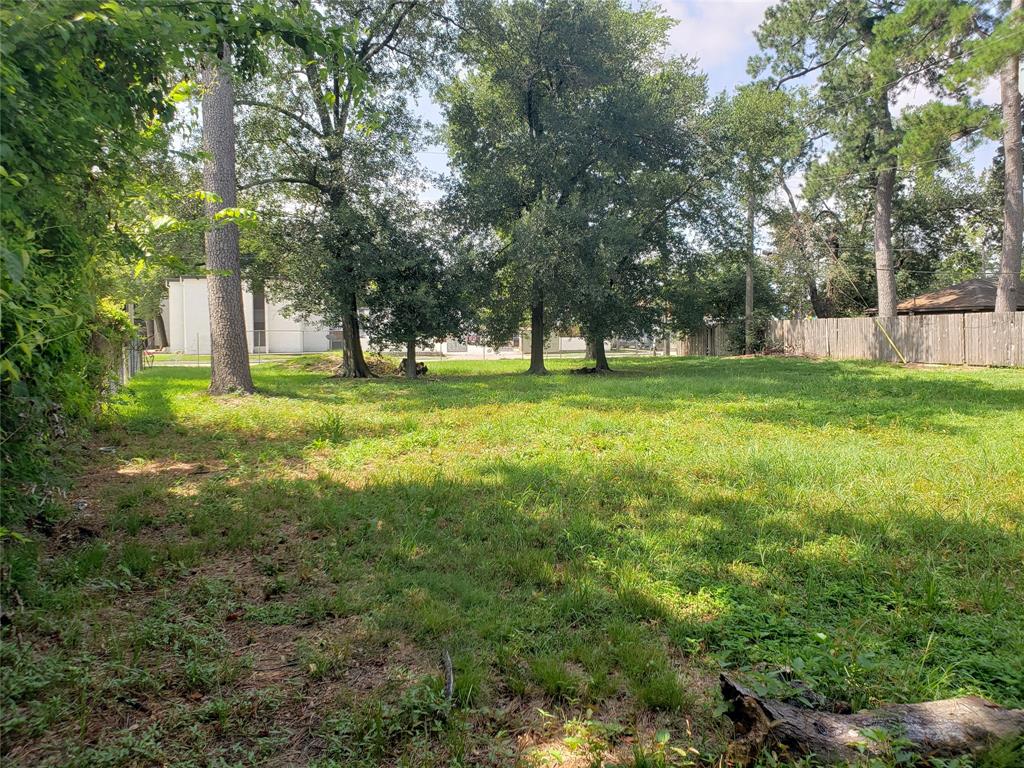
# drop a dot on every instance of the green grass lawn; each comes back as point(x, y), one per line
point(273, 579)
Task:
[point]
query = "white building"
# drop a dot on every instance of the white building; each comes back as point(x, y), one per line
point(187, 320)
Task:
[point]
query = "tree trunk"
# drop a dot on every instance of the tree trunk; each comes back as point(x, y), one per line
point(229, 356)
point(150, 333)
point(884, 269)
point(161, 332)
point(819, 303)
point(748, 299)
point(1008, 289)
point(353, 362)
point(410, 359)
point(537, 338)
point(600, 358)
point(591, 353)
point(947, 728)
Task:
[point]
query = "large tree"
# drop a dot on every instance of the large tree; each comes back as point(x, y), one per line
point(229, 353)
point(1008, 291)
point(640, 207)
point(863, 54)
point(418, 292)
point(996, 48)
point(542, 139)
point(767, 140)
point(329, 127)
point(961, 44)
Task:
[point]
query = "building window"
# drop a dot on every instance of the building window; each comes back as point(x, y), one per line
point(259, 319)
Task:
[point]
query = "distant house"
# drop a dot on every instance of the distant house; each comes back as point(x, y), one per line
point(187, 320)
point(977, 295)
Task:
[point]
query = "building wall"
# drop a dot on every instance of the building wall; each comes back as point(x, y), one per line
point(188, 322)
point(172, 317)
point(188, 315)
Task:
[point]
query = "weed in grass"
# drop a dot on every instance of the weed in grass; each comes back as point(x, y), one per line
point(182, 554)
point(279, 585)
point(636, 594)
point(590, 739)
point(471, 678)
point(659, 688)
point(512, 672)
point(133, 508)
point(387, 729)
point(554, 677)
point(274, 614)
point(137, 560)
point(131, 521)
point(86, 562)
point(323, 658)
point(332, 427)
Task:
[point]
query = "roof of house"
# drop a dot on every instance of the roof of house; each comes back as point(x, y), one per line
point(977, 295)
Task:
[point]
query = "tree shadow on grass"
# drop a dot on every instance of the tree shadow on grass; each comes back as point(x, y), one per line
point(608, 586)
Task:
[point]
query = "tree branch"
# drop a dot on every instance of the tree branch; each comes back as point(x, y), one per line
point(368, 50)
point(814, 67)
point(316, 87)
point(282, 180)
point(281, 110)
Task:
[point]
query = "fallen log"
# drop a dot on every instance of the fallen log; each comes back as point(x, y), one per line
point(948, 728)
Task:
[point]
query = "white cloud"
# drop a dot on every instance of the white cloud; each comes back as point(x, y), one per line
point(719, 34)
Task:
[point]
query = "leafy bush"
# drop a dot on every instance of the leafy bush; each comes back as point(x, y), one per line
point(759, 333)
point(112, 65)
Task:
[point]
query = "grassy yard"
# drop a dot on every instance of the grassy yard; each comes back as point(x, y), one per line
point(273, 579)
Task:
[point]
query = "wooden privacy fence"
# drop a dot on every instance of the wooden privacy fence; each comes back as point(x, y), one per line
point(981, 338)
point(707, 341)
